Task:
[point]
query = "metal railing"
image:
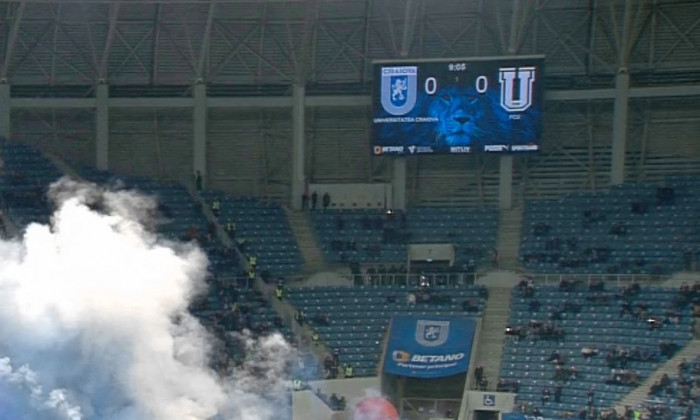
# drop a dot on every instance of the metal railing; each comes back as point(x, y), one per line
point(457, 278)
point(587, 279)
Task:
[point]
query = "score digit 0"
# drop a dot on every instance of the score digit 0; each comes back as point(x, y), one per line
point(481, 84)
point(430, 85)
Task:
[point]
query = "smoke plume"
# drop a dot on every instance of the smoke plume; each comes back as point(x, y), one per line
point(94, 322)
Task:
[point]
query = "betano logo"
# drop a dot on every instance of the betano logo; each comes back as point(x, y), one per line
point(401, 356)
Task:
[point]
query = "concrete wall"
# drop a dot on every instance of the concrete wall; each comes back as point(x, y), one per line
point(355, 196)
point(67, 133)
point(305, 405)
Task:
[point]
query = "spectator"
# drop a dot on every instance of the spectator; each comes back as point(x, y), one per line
point(230, 227)
point(198, 180)
point(557, 393)
point(665, 194)
point(618, 229)
point(639, 207)
point(216, 206)
point(322, 319)
point(653, 323)
point(589, 351)
point(545, 396)
point(541, 229)
point(349, 371)
point(590, 397)
point(300, 317)
point(411, 300)
point(279, 291)
point(326, 201)
point(470, 305)
point(667, 349)
point(314, 200)
point(478, 373)
point(555, 357)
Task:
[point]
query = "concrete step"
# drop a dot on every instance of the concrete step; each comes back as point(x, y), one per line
point(639, 394)
point(492, 337)
point(306, 241)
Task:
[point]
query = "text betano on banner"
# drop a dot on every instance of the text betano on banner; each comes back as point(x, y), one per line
point(429, 347)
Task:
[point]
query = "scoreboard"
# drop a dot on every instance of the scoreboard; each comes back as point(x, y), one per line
point(457, 106)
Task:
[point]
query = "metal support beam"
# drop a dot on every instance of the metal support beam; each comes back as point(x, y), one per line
point(199, 131)
point(328, 100)
point(408, 26)
point(298, 145)
point(505, 182)
point(12, 38)
point(398, 184)
point(204, 49)
point(617, 173)
point(155, 43)
point(104, 61)
point(622, 86)
point(102, 127)
point(5, 111)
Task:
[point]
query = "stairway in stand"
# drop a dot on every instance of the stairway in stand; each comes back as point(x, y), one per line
point(492, 335)
point(509, 231)
point(639, 394)
point(306, 240)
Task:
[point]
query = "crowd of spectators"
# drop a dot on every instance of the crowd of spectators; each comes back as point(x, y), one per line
point(335, 402)
point(567, 252)
point(683, 388)
point(617, 357)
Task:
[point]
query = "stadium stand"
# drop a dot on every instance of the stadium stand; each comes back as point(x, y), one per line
point(265, 231)
point(631, 228)
point(577, 348)
point(370, 236)
point(676, 395)
point(230, 304)
point(353, 320)
point(27, 175)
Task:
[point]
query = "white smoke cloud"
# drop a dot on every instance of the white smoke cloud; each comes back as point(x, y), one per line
point(93, 308)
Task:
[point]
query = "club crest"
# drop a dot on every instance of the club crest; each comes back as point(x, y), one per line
point(432, 333)
point(526, 77)
point(398, 87)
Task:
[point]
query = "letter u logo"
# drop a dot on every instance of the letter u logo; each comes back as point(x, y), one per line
point(526, 77)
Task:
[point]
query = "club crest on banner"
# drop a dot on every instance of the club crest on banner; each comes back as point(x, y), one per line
point(432, 333)
point(398, 86)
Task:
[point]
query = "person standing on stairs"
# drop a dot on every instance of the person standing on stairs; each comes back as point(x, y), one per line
point(314, 200)
point(230, 228)
point(216, 206)
point(198, 181)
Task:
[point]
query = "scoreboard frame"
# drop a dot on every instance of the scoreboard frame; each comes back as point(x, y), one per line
point(487, 104)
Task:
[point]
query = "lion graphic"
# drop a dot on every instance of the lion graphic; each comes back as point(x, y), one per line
point(461, 116)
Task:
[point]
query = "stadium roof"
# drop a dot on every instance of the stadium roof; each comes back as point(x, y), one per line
point(333, 42)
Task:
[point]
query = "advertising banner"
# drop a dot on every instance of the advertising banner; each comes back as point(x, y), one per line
point(429, 346)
